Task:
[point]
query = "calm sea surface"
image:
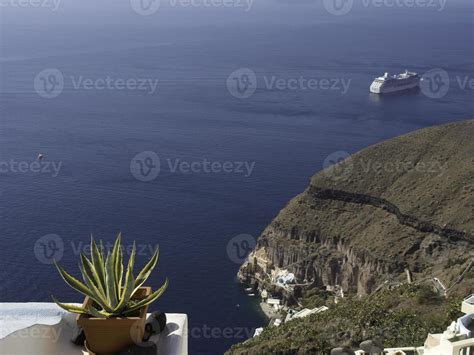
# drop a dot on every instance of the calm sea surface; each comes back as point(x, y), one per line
point(103, 115)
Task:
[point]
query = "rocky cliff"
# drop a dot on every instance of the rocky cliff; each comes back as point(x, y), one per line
point(404, 204)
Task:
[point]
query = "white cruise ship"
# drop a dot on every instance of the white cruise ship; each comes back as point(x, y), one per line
point(393, 83)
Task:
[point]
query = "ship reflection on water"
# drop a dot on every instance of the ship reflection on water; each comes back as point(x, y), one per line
point(377, 98)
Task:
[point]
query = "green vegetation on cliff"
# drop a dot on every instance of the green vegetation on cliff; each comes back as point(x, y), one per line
point(399, 317)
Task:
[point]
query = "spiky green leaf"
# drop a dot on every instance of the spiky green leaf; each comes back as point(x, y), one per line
point(98, 263)
point(102, 250)
point(73, 282)
point(146, 301)
point(117, 265)
point(90, 310)
point(119, 272)
point(98, 295)
point(91, 272)
point(70, 307)
point(128, 289)
point(96, 313)
point(110, 281)
point(147, 269)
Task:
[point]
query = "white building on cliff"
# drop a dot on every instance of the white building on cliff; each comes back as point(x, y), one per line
point(457, 339)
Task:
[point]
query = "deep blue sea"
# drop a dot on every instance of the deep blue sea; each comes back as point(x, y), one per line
point(209, 90)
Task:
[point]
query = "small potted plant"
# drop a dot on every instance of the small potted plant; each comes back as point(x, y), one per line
point(114, 310)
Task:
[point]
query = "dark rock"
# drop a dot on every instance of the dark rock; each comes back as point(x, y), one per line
point(155, 324)
point(372, 347)
point(78, 337)
point(157, 321)
point(145, 348)
point(342, 351)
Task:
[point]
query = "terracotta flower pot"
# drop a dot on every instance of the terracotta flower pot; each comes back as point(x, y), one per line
point(109, 336)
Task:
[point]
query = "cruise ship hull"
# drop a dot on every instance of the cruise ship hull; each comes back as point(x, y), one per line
point(389, 89)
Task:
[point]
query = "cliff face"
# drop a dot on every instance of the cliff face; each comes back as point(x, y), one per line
point(403, 204)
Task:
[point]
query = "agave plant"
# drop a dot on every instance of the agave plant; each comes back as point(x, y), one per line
point(103, 282)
